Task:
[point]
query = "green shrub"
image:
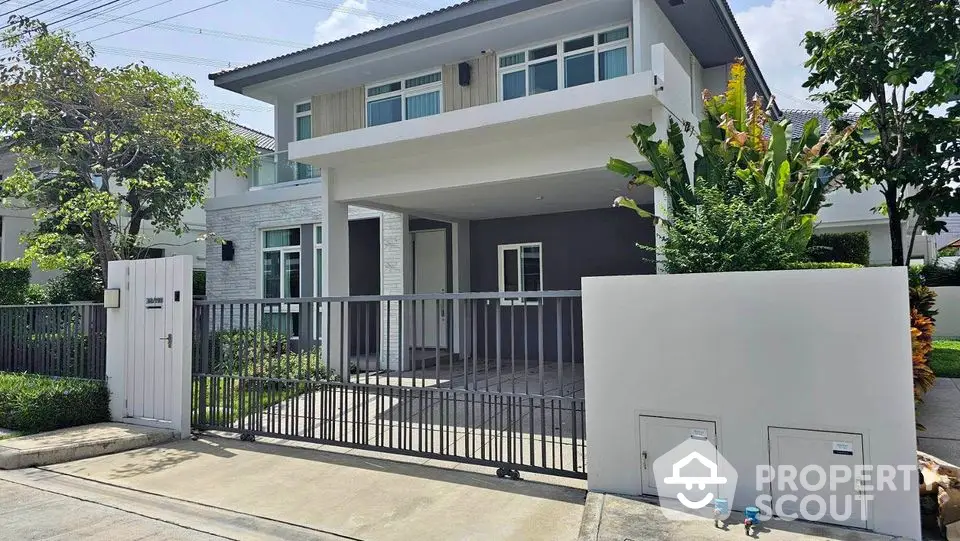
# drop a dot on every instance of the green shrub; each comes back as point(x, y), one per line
point(809, 265)
point(36, 294)
point(30, 403)
point(76, 284)
point(231, 349)
point(728, 232)
point(940, 276)
point(851, 247)
point(14, 282)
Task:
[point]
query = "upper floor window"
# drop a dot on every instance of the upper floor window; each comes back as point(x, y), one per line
point(303, 129)
point(566, 63)
point(404, 99)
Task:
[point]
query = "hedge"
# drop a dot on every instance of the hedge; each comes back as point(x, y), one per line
point(809, 265)
point(14, 282)
point(851, 247)
point(937, 276)
point(31, 403)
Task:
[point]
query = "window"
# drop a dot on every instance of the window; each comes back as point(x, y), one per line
point(521, 269)
point(281, 279)
point(303, 129)
point(404, 99)
point(575, 61)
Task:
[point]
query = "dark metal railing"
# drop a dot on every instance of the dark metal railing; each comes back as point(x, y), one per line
point(489, 378)
point(65, 340)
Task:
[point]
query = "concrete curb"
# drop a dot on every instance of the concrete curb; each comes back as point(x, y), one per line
point(77, 443)
point(592, 512)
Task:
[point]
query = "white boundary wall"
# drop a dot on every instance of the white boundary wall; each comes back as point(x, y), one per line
point(812, 349)
point(948, 306)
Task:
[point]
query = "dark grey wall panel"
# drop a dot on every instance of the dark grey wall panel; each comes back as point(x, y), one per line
point(599, 242)
point(364, 280)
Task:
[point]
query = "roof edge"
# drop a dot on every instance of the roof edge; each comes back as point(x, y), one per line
point(730, 21)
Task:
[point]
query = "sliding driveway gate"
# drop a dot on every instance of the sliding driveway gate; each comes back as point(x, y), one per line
point(490, 379)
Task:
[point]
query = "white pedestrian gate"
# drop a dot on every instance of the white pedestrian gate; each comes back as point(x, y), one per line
point(149, 342)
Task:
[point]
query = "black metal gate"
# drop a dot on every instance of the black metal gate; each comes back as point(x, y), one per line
point(490, 379)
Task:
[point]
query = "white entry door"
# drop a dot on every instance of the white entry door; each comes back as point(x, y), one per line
point(156, 302)
point(430, 276)
point(801, 448)
point(658, 435)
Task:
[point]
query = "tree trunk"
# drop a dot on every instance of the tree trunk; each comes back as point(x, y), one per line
point(896, 229)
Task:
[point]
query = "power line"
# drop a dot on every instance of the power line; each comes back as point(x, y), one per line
point(168, 57)
point(21, 7)
point(161, 20)
point(203, 31)
point(94, 8)
point(103, 13)
point(151, 6)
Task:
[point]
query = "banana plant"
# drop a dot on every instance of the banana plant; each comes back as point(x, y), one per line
point(742, 151)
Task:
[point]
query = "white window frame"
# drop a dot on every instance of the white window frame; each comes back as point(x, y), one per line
point(403, 93)
point(503, 248)
point(561, 56)
point(297, 115)
point(282, 307)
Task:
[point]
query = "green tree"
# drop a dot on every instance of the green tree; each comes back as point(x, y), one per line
point(103, 150)
point(897, 62)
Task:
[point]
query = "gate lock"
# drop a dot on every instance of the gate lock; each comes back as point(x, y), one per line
point(169, 340)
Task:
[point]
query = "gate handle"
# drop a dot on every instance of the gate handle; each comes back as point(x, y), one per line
point(169, 340)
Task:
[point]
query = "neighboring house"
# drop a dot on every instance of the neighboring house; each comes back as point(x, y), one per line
point(848, 212)
point(15, 221)
point(465, 148)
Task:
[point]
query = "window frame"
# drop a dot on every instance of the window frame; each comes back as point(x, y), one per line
point(561, 56)
point(517, 247)
point(282, 305)
point(404, 93)
point(297, 115)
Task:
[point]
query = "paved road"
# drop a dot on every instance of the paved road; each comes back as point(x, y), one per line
point(32, 514)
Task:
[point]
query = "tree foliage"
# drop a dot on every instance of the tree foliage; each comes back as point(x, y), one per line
point(745, 155)
point(897, 61)
point(104, 151)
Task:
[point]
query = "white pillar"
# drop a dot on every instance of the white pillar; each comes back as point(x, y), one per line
point(395, 258)
point(117, 278)
point(461, 280)
point(335, 280)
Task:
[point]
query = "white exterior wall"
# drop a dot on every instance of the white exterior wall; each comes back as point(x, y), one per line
point(824, 350)
point(948, 318)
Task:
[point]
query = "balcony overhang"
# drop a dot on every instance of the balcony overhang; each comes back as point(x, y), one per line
point(605, 101)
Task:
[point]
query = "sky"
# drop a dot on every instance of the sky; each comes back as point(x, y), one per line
point(217, 34)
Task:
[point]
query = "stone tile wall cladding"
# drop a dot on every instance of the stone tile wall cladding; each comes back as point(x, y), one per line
point(238, 279)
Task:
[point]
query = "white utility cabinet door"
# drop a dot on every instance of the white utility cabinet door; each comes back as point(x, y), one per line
point(801, 448)
point(658, 435)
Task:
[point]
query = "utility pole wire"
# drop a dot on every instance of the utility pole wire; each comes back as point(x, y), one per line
point(151, 6)
point(21, 7)
point(160, 20)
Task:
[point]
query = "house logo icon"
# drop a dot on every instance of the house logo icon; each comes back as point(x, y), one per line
point(690, 477)
point(700, 482)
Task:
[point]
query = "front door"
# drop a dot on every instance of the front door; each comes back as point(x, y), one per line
point(430, 276)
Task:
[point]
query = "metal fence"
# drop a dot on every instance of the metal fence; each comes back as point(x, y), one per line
point(493, 379)
point(67, 340)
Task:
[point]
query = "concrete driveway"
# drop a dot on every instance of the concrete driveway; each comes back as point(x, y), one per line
point(358, 495)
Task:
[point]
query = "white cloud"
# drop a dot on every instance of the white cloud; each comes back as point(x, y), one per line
point(351, 17)
point(775, 34)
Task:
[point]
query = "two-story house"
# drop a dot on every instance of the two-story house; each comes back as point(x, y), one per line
point(464, 150)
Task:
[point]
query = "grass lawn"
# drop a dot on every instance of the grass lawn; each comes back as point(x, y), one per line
point(7, 436)
point(945, 358)
point(230, 398)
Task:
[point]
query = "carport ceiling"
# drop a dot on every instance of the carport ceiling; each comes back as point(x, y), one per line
point(542, 195)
